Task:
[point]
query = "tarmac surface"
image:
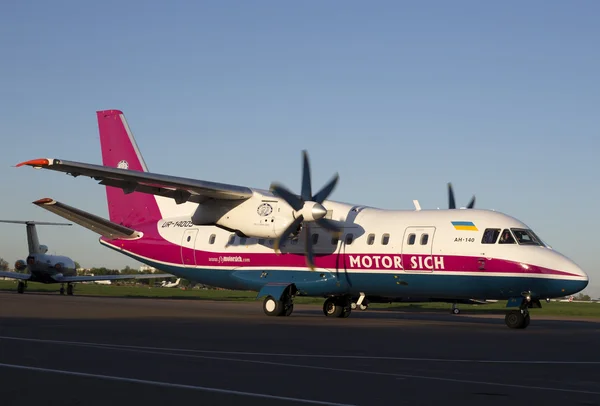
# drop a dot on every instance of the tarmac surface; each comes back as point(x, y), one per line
point(63, 350)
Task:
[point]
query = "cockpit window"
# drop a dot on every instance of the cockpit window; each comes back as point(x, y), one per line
point(526, 237)
point(490, 236)
point(506, 237)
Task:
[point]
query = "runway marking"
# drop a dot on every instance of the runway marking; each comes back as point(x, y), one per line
point(171, 385)
point(159, 351)
point(326, 356)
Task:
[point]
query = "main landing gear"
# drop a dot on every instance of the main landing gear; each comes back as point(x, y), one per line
point(455, 309)
point(21, 287)
point(281, 307)
point(337, 307)
point(69, 289)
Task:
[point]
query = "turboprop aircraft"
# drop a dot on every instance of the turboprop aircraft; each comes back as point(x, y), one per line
point(46, 268)
point(283, 245)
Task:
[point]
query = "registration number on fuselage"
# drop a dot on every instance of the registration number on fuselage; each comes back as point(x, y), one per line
point(182, 224)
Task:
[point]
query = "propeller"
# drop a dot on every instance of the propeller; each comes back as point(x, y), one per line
point(308, 208)
point(452, 202)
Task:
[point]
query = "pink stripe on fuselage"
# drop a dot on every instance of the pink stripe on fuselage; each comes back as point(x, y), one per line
point(154, 247)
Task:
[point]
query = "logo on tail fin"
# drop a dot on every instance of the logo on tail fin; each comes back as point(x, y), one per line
point(123, 165)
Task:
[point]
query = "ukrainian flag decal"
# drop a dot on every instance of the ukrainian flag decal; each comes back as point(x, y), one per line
point(464, 225)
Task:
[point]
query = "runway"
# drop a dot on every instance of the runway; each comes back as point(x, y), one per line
point(62, 350)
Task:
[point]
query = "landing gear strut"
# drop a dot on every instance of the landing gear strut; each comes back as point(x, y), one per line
point(361, 303)
point(337, 307)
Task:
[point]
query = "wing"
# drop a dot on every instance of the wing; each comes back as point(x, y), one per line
point(109, 277)
point(180, 189)
point(15, 275)
point(90, 221)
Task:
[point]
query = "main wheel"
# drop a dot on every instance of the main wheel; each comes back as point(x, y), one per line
point(515, 319)
point(70, 290)
point(62, 291)
point(456, 310)
point(289, 309)
point(332, 307)
point(21, 287)
point(273, 307)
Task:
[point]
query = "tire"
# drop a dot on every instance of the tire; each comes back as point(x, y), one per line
point(332, 308)
point(273, 307)
point(514, 319)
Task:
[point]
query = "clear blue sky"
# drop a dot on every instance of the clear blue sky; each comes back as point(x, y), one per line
point(501, 98)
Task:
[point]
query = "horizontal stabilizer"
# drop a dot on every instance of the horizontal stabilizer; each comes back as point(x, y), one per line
point(91, 278)
point(15, 275)
point(35, 223)
point(90, 221)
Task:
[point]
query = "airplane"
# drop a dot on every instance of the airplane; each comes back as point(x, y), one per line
point(165, 284)
point(50, 269)
point(282, 244)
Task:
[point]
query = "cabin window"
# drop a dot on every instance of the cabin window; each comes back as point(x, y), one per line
point(490, 236)
point(211, 239)
point(231, 239)
point(385, 239)
point(371, 239)
point(349, 239)
point(243, 241)
point(334, 240)
point(424, 239)
point(315, 238)
point(411, 239)
point(506, 237)
point(261, 241)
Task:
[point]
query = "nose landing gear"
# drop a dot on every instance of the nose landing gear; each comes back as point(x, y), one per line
point(520, 318)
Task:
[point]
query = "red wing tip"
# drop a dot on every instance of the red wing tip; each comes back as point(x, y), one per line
point(35, 162)
point(45, 200)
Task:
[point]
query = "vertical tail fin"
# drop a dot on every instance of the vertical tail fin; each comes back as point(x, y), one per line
point(119, 150)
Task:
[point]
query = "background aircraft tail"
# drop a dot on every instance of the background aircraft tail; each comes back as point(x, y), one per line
point(119, 150)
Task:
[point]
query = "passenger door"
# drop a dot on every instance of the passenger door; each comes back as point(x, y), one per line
point(417, 247)
point(188, 244)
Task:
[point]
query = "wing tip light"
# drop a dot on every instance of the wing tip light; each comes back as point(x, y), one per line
point(36, 163)
point(45, 200)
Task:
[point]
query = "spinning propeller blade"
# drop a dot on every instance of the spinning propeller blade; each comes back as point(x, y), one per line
point(308, 208)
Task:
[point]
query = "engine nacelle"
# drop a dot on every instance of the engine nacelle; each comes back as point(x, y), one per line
point(272, 228)
point(257, 217)
point(43, 249)
point(20, 265)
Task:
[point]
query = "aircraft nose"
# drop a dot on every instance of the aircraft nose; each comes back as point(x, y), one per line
point(579, 284)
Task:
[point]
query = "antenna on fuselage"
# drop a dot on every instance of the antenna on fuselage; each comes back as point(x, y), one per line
point(417, 205)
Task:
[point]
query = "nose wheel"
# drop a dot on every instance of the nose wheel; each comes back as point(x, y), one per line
point(517, 319)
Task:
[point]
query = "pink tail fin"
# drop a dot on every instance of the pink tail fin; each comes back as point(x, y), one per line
point(119, 150)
